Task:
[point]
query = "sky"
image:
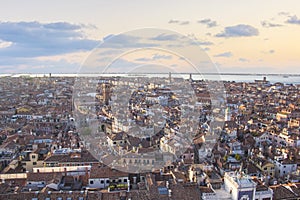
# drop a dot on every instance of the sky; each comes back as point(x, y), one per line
point(237, 36)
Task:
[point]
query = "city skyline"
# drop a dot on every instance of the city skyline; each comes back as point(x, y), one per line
point(52, 37)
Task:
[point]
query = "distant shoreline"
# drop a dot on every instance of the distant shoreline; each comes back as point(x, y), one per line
point(236, 77)
point(224, 73)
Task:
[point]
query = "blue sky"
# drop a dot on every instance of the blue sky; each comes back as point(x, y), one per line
point(238, 36)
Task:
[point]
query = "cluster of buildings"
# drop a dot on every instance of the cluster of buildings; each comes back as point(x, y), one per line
point(151, 148)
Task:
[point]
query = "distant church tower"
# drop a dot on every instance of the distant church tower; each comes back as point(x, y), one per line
point(106, 93)
point(191, 78)
point(227, 114)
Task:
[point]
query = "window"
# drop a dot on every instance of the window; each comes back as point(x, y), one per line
point(102, 181)
point(107, 181)
point(120, 180)
point(91, 182)
point(34, 163)
point(125, 180)
point(32, 156)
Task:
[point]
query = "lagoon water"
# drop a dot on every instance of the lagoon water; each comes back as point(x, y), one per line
point(273, 78)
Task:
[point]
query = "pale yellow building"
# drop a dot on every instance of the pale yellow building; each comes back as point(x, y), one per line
point(31, 161)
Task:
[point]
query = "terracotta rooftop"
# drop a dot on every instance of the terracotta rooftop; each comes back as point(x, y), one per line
point(106, 172)
point(85, 157)
point(282, 192)
point(47, 177)
point(53, 195)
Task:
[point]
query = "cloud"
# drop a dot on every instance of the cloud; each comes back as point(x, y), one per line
point(173, 21)
point(32, 39)
point(154, 57)
point(196, 41)
point(267, 24)
point(160, 56)
point(108, 37)
point(165, 37)
point(5, 44)
point(204, 21)
point(121, 65)
point(243, 60)
point(284, 13)
point(293, 20)
point(241, 30)
point(201, 43)
point(205, 43)
point(144, 59)
point(225, 54)
point(184, 23)
point(120, 40)
point(124, 41)
point(269, 52)
point(32, 65)
point(62, 26)
point(131, 66)
point(23, 44)
point(208, 22)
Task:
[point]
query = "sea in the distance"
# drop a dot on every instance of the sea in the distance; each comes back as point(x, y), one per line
point(273, 78)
